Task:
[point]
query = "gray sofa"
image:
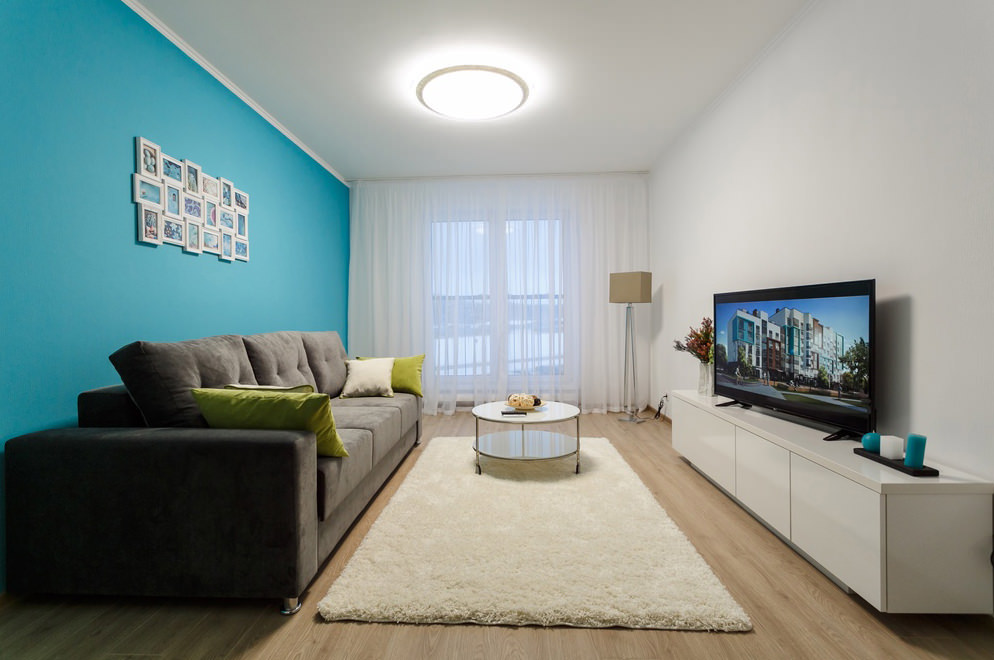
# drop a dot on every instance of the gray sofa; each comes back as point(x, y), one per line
point(144, 499)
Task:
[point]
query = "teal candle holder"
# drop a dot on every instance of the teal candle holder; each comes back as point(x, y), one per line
point(914, 453)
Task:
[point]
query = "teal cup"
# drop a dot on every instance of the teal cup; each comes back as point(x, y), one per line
point(871, 442)
point(914, 455)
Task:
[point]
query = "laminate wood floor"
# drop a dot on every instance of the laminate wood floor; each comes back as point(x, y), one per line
point(796, 612)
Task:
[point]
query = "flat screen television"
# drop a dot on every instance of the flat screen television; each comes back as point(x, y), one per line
point(806, 351)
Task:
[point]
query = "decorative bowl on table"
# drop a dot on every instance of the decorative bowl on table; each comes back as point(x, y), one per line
point(524, 402)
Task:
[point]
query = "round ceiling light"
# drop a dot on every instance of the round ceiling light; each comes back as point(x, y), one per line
point(472, 92)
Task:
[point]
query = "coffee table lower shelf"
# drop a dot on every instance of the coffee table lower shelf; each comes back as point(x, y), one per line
point(525, 445)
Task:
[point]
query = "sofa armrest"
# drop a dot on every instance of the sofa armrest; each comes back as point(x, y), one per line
point(162, 511)
point(108, 406)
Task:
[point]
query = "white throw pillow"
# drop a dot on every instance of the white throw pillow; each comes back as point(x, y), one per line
point(368, 378)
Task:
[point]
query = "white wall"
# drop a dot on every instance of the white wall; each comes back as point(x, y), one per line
point(860, 146)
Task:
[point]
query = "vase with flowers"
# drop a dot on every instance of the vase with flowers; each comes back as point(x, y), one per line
point(700, 343)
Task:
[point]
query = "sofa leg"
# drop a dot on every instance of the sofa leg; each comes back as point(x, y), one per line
point(290, 606)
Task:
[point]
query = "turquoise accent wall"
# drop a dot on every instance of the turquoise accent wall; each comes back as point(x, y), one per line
point(78, 82)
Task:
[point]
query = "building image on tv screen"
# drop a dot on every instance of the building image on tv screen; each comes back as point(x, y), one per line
point(810, 353)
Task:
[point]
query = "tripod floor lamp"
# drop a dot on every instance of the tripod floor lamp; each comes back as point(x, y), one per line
point(631, 288)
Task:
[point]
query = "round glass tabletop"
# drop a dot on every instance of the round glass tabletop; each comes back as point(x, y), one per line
point(548, 412)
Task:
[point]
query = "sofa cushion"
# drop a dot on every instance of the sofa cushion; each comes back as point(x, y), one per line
point(262, 409)
point(337, 477)
point(160, 375)
point(368, 378)
point(382, 421)
point(406, 376)
point(326, 357)
point(278, 358)
point(408, 405)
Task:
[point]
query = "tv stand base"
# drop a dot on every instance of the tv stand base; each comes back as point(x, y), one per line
point(841, 434)
point(733, 402)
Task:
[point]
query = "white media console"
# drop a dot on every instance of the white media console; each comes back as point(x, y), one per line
point(903, 543)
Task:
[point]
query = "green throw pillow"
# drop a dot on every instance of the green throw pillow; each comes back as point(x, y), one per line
point(406, 376)
point(265, 409)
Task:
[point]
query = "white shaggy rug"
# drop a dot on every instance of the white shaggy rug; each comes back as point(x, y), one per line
point(529, 544)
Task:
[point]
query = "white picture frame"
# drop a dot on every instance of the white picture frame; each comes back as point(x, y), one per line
point(191, 177)
point(148, 158)
point(193, 238)
point(172, 170)
point(227, 196)
point(149, 224)
point(241, 225)
point(172, 204)
point(241, 199)
point(210, 213)
point(209, 186)
point(226, 219)
point(211, 241)
point(227, 246)
point(241, 249)
point(193, 207)
point(147, 191)
point(173, 231)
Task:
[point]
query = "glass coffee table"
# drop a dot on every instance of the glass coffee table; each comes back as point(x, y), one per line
point(525, 444)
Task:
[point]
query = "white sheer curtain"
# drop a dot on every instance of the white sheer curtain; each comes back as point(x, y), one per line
point(502, 283)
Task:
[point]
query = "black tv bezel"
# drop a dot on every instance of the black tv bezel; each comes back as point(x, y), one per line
point(827, 290)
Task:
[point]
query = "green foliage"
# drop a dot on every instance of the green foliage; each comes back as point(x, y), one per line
point(744, 368)
point(823, 380)
point(857, 361)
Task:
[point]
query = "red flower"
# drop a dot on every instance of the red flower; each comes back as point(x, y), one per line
point(699, 342)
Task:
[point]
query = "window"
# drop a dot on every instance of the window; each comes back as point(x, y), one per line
point(498, 280)
point(497, 298)
point(746, 330)
point(460, 286)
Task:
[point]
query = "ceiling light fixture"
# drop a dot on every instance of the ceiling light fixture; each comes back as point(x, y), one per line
point(472, 92)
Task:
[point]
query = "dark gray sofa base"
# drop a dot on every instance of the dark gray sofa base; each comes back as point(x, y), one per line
point(115, 507)
point(136, 512)
point(135, 551)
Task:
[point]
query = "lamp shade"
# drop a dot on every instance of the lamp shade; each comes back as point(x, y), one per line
point(634, 287)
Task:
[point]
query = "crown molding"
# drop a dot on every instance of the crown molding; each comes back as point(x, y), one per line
point(192, 53)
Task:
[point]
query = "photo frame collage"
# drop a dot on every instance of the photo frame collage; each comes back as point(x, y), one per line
point(180, 204)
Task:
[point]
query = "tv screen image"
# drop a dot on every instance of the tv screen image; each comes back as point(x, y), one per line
point(804, 350)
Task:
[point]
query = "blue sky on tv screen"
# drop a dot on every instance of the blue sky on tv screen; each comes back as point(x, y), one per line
point(848, 315)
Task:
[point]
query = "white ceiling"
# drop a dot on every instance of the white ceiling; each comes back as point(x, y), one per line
point(612, 82)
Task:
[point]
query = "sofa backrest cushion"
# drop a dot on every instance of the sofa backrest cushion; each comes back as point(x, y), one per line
point(278, 358)
point(326, 356)
point(160, 375)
